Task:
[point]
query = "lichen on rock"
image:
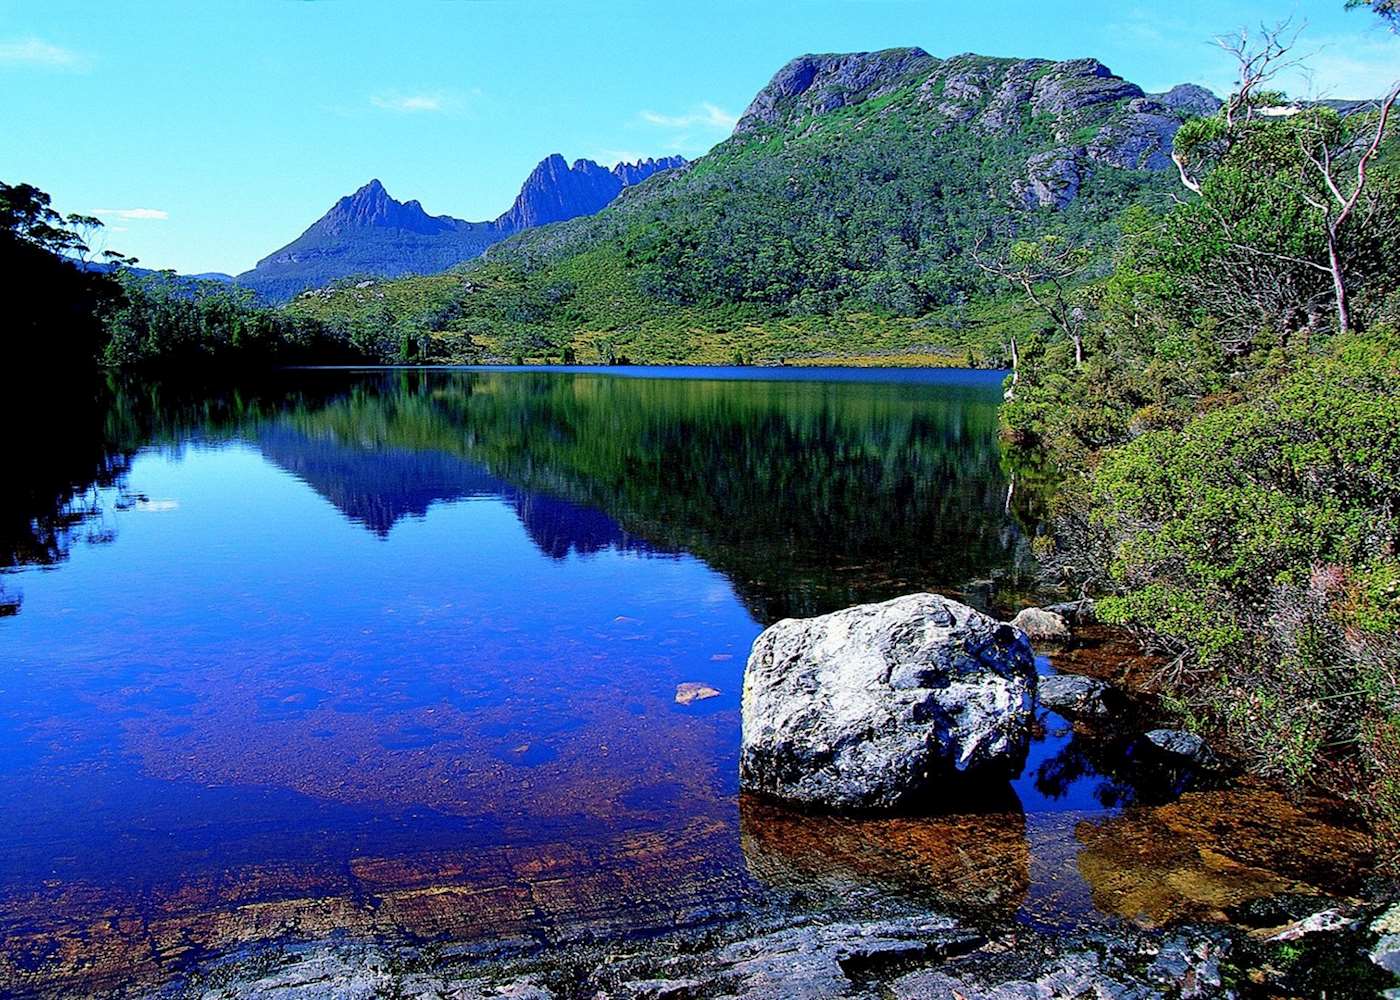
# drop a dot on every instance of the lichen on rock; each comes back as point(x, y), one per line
point(877, 705)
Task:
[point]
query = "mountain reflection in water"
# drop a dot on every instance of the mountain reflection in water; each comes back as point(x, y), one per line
point(396, 654)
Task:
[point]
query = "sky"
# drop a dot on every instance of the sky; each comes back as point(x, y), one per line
point(207, 135)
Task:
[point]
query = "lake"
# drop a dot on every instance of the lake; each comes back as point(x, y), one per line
point(396, 653)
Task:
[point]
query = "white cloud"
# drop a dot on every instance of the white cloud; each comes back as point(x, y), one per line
point(612, 157)
point(411, 103)
point(37, 52)
point(1348, 68)
point(1360, 65)
point(705, 115)
point(127, 214)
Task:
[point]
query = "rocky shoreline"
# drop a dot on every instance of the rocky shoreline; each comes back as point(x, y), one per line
point(1322, 948)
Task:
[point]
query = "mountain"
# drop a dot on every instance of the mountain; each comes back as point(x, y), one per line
point(838, 220)
point(555, 191)
point(370, 233)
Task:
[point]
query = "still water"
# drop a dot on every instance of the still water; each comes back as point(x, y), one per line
point(397, 653)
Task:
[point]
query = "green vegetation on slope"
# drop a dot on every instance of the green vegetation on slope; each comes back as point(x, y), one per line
point(824, 232)
point(1227, 450)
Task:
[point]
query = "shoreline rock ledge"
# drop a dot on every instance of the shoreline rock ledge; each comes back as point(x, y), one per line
point(876, 705)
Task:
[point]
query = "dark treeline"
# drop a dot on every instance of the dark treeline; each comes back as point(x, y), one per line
point(71, 311)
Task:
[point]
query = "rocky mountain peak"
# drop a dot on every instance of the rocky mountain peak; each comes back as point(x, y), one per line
point(635, 173)
point(1078, 112)
point(373, 206)
point(817, 84)
point(556, 191)
point(1189, 99)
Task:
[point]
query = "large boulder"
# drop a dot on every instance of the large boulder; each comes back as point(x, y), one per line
point(874, 706)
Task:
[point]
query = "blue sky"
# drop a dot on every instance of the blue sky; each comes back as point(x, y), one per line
point(208, 134)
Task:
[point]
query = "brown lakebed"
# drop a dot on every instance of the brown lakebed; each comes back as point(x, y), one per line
point(396, 657)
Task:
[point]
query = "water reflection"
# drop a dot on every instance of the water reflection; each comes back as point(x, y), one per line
point(1210, 851)
point(978, 862)
point(398, 654)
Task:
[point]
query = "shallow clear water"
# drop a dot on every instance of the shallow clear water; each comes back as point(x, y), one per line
point(396, 652)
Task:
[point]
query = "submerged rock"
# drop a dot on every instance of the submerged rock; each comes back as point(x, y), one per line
point(1386, 951)
point(1075, 696)
point(1179, 746)
point(692, 691)
point(964, 862)
point(871, 706)
point(1042, 625)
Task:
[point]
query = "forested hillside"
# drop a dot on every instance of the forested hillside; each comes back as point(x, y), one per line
point(843, 218)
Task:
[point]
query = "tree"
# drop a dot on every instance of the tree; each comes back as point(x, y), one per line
point(55, 306)
point(1045, 270)
point(1387, 10)
point(1326, 147)
point(25, 214)
point(1202, 142)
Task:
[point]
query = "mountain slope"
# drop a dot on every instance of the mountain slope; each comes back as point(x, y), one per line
point(840, 216)
point(369, 233)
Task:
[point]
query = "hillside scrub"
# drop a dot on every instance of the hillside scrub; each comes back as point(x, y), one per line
point(1225, 457)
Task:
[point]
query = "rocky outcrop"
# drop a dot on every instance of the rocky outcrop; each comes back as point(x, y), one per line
point(1077, 84)
point(1188, 964)
point(875, 705)
point(904, 956)
point(1078, 98)
point(1140, 138)
point(818, 960)
point(556, 191)
point(1074, 696)
point(1189, 100)
point(817, 84)
point(1052, 179)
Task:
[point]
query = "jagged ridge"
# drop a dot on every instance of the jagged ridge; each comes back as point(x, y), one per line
point(370, 233)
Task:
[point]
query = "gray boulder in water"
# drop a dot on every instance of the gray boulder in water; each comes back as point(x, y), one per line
point(872, 706)
point(1179, 746)
point(1042, 625)
point(1075, 696)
